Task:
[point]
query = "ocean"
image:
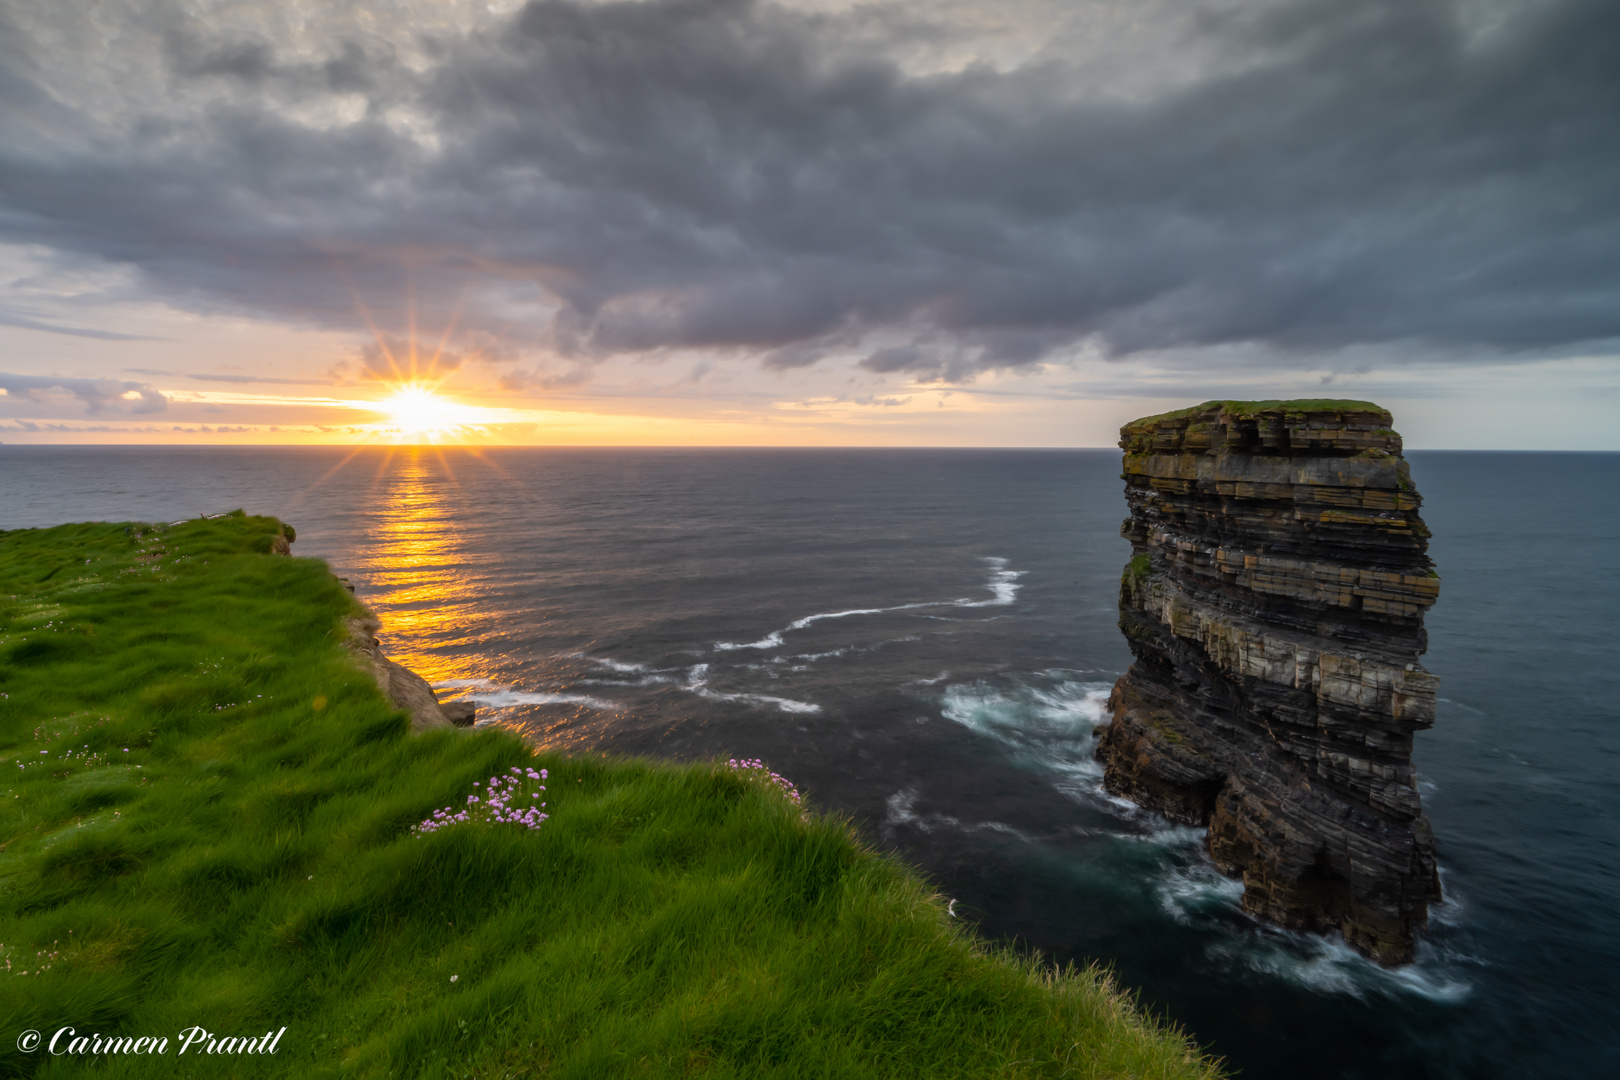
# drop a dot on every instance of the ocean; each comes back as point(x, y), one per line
point(923, 640)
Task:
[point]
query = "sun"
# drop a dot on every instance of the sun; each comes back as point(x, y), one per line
point(416, 410)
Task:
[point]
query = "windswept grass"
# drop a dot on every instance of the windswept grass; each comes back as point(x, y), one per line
point(206, 819)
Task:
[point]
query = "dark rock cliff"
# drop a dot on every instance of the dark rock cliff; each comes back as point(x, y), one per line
point(1274, 605)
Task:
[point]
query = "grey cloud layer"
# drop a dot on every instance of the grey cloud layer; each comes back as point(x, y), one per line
point(97, 395)
point(720, 174)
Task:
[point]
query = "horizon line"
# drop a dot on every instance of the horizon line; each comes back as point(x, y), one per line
point(689, 446)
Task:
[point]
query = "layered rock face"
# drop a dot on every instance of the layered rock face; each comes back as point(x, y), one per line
point(1274, 604)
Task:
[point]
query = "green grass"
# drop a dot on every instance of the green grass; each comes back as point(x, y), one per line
point(186, 839)
point(1136, 570)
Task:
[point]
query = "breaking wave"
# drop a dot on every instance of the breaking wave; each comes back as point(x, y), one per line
point(1051, 727)
point(1003, 586)
point(504, 698)
point(697, 682)
point(1329, 966)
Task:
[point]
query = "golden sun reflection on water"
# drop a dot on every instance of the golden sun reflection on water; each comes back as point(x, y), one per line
point(442, 587)
point(413, 563)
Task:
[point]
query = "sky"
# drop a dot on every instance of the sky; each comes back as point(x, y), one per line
point(815, 222)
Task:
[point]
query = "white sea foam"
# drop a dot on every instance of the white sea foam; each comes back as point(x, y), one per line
point(648, 676)
point(787, 705)
point(645, 680)
point(1002, 585)
point(456, 683)
point(1198, 889)
point(900, 809)
point(1013, 713)
point(1083, 782)
point(1003, 828)
point(812, 657)
point(1164, 833)
point(1061, 719)
point(1051, 728)
point(1453, 910)
point(506, 698)
point(810, 620)
point(1329, 966)
point(804, 659)
point(774, 638)
point(1192, 891)
point(623, 667)
point(769, 641)
point(697, 679)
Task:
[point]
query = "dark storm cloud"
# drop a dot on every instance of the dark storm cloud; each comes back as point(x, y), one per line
point(720, 174)
point(96, 394)
point(254, 62)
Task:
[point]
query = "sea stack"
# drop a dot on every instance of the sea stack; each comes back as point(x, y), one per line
point(1274, 604)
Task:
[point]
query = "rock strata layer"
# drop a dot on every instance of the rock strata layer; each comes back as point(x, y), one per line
point(1274, 605)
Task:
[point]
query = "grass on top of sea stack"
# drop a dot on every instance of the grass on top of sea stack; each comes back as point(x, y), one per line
point(186, 839)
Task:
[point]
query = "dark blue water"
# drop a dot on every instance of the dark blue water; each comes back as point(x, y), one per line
point(923, 640)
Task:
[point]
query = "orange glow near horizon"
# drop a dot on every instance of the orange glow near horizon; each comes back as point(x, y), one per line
point(405, 393)
point(428, 394)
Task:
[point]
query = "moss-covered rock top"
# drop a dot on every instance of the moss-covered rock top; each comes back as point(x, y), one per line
point(1249, 409)
point(1319, 426)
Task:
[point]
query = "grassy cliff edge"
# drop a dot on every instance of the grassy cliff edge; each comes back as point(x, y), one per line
point(207, 821)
